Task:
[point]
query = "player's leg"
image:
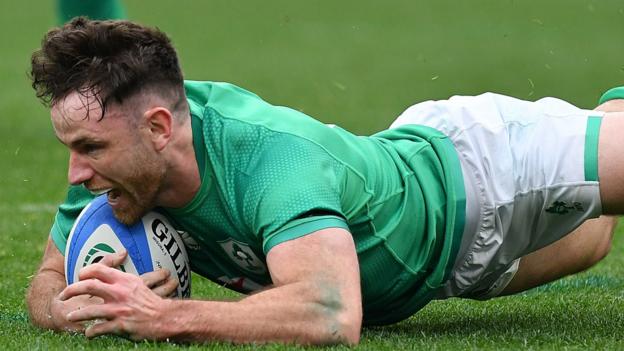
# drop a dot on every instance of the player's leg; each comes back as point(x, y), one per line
point(611, 152)
point(591, 242)
point(527, 197)
point(611, 163)
point(574, 253)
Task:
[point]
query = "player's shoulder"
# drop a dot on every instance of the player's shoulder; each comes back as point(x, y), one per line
point(220, 96)
point(201, 91)
point(239, 111)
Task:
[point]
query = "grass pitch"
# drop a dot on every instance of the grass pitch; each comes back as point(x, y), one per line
point(357, 64)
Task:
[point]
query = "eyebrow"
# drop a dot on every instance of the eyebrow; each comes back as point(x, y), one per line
point(75, 144)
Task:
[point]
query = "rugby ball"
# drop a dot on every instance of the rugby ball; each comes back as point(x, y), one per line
point(151, 243)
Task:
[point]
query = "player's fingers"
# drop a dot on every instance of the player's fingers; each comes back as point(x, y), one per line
point(114, 259)
point(86, 287)
point(102, 272)
point(91, 313)
point(157, 277)
point(167, 289)
point(95, 300)
point(104, 327)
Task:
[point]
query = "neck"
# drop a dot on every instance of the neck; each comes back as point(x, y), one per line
point(182, 180)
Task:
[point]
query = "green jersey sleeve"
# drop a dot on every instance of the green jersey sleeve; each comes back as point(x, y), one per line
point(78, 197)
point(293, 190)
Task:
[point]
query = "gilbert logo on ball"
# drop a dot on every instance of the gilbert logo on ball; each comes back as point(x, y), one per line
point(151, 243)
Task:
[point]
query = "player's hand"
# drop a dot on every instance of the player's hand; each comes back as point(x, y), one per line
point(130, 308)
point(160, 281)
point(59, 310)
point(115, 259)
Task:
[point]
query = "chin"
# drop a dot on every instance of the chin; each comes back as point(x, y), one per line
point(129, 216)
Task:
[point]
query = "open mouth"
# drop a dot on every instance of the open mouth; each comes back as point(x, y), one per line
point(98, 192)
point(113, 196)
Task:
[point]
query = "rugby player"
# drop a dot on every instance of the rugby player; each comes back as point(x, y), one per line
point(472, 197)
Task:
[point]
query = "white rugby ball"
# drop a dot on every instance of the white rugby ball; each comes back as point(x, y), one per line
point(151, 243)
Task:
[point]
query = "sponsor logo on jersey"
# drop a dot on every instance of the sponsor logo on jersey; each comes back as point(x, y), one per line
point(243, 256)
point(562, 207)
point(189, 242)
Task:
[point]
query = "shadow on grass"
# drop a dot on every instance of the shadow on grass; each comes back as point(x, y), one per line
point(540, 326)
point(578, 310)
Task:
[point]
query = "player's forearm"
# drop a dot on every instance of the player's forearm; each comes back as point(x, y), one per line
point(46, 284)
point(299, 313)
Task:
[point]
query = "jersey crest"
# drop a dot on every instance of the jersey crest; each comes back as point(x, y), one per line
point(188, 240)
point(241, 254)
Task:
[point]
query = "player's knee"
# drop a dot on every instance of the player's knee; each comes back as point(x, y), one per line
point(602, 243)
point(603, 249)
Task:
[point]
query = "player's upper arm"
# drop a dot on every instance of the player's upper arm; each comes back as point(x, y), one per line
point(326, 261)
point(52, 260)
point(287, 190)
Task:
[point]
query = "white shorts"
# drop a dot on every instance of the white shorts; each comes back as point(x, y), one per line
point(531, 177)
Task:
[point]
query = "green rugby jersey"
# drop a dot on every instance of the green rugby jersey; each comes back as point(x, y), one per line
point(271, 174)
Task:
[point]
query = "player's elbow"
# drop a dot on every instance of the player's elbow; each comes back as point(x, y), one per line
point(342, 323)
point(350, 329)
point(340, 330)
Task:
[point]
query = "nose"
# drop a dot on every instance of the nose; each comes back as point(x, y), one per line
point(79, 169)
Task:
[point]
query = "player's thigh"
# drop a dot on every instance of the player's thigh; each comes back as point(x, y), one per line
point(578, 251)
point(611, 163)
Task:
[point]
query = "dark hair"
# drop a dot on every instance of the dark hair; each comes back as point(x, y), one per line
point(105, 60)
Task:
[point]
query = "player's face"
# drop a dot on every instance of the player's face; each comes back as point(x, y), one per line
point(110, 155)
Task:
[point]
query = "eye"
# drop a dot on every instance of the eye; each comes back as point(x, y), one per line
point(90, 149)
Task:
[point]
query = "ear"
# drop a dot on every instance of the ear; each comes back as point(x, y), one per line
point(159, 121)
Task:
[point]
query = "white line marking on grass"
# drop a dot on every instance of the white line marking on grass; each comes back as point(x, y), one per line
point(30, 208)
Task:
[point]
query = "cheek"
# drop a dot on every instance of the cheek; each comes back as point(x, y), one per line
point(144, 165)
point(113, 166)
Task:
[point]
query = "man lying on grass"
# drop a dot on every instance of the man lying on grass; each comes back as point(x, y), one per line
point(472, 197)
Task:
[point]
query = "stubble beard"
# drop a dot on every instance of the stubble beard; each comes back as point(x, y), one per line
point(141, 190)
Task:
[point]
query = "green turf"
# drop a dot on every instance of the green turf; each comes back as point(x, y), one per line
point(357, 64)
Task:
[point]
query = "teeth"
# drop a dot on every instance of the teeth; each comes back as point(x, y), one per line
point(100, 191)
